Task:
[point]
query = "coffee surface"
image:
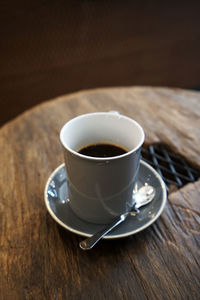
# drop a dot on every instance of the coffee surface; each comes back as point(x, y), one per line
point(102, 150)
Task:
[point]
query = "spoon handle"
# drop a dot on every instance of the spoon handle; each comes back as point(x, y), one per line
point(89, 242)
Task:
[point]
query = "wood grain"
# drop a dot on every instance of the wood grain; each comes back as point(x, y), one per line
point(40, 260)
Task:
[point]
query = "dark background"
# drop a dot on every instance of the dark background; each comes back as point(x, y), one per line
point(49, 48)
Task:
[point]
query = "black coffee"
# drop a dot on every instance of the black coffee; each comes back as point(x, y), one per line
point(102, 150)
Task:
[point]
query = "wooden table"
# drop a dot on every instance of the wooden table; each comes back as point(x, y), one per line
point(41, 260)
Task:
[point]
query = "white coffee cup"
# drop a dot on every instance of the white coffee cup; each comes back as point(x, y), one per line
point(101, 188)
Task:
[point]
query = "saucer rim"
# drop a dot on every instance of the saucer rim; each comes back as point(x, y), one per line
point(116, 236)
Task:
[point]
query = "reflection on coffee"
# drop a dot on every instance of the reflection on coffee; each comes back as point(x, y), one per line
point(102, 150)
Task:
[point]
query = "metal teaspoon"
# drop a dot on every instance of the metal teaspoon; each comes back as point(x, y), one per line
point(144, 196)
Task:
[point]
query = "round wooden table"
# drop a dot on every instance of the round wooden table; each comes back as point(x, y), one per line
point(41, 260)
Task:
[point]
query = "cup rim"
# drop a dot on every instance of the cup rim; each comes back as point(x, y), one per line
point(101, 158)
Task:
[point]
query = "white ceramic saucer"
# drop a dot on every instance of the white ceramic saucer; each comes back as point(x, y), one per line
point(57, 203)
